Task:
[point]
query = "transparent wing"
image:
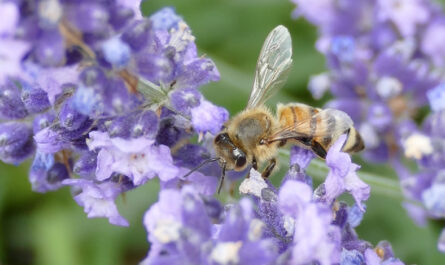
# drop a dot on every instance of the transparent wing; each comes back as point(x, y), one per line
point(273, 66)
point(329, 122)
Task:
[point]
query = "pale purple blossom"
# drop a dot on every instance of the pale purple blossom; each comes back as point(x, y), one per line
point(9, 16)
point(10, 65)
point(97, 199)
point(405, 14)
point(139, 159)
point(343, 177)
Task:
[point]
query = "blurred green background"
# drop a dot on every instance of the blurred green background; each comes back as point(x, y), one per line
point(51, 229)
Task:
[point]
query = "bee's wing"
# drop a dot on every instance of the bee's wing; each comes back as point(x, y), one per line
point(326, 123)
point(273, 66)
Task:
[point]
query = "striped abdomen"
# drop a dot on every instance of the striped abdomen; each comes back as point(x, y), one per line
point(319, 129)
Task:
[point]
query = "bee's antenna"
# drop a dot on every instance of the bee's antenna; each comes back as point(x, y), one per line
point(223, 175)
point(201, 165)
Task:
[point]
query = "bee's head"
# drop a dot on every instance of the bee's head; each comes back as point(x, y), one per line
point(229, 153)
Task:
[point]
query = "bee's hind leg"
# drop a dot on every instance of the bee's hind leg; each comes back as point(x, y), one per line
point(269, 168)
point(318, 149)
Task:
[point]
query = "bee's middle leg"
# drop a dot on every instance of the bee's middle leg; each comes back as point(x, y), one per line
point(269, 168)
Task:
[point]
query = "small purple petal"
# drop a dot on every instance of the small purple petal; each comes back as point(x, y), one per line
point(49, 49)
point(9, 16)
point(441, 242)
point(98, 199)
point(352, 257)
point(293, 197)
point(70, 118)
point(88, 17)
point(42, 121)
point(50, 141)
point(371, 257)
point(342, 175)
point(137, 35)
point(11, 105)
point(185, 99)
point(433, 200)
point(16, 143)
point(300, 156)
point(10, 65)
point(165, 19)
point(436, 97)
point(116, 52)
point(208, 118)
point(138, 158)
point(133, 5)
point(35, 99)
point(355, 215)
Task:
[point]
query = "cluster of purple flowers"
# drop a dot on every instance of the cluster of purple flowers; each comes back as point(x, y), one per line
point(294, 224)
point(386, 62)
point(104, 100)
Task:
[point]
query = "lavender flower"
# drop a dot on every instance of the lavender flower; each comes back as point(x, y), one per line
point(385, 64)
point(289, 225)
point(180, 229)
point(106, 100)
point(105, 94)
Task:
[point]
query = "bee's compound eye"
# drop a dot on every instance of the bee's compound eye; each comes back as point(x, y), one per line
point(262, 141)
point(240, 161)
point(218, 138)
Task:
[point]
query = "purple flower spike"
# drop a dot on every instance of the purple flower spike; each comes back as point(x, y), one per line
point(208, 118)
point(139, 158)
point(98, 199)
point(343, 177)
point(16, 143)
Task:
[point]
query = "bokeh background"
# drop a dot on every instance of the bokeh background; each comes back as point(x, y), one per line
point(51, 229)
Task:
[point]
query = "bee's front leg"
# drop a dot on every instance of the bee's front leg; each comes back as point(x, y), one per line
point(269, 168)
point(254, 163)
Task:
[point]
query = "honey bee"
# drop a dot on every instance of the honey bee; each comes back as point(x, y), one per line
point(254, 135)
